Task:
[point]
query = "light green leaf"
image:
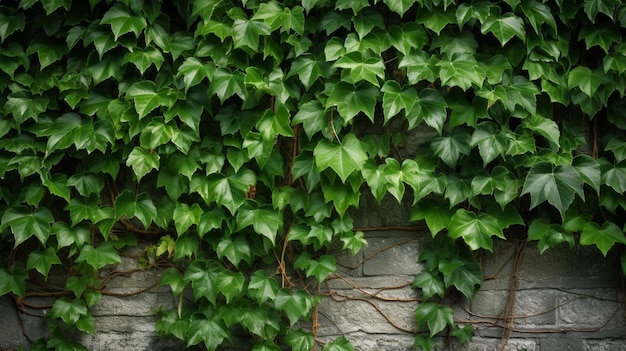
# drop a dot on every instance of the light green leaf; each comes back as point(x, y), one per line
point(604, 237)
point(555, 184)
point(142, 161)
point(226, 83)
point(476, 230)
point(319, 268)
point(143, 59)
point(146, 97)
point(299, 339)
point(211, 331)
point(354, 5)
point(396, 99)
point(362, 67)
point(586, 80)
point(344, 158)
point(235, 251)
point(185, 216)
point(100, 256)
point(339, 344)
point(589, 171)
point(548, 235)
point(399, 6)
point(462, 71)
point(25, 223)
point(309, 69)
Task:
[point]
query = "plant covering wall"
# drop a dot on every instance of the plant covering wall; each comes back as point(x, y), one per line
point(235, 136)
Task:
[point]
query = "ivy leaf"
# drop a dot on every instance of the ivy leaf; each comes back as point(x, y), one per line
point(354, 5)
point(353, 241)
point(396, 99)
point(431, 106)
point(203, 277)
point(56, 184)
point(450, 148)
point(263, 288)
point(246, 33)
point(420, 66)
point(312, 116)
point(24, 223)
point(265, 221)
point(555, 184)
point(463, 71)
point(544, 126)
point(339, 344)
point(586, 80)
point(436, 215)
point(400, 7)
point(491, 143)
point(122, 21)
point(466, 275)
point(351, 99)
point(296, 304)
point(538, 13)
point(10, 22)
point(100, 256)
point(589, 171)
point(274, 123)
point(141, 207)
point(142, 161)
point(146, 97)
point(341, 196)
point(70, 311)
point(476, 230)
point(226, 83)
point(504, 27)
point(210, 331)
point(430, 284)
point(436, 316)
point(299, 339)
point(614, 175)
point(603, 237)
point(42, 260)
point(143, 59)
point(87, 183)
point(344, 158)
point(362, 67)
point(186, 216)
point(230, 284)
point(13, 280)
point(319, 268)
point(617, 145)
point(548, 235)
point(309, 69)
point(235, 251)
point(174, 279)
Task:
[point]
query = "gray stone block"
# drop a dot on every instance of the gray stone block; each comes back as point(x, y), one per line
point(391, 253)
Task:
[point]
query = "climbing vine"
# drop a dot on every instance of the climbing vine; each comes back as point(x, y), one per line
point(235, 137)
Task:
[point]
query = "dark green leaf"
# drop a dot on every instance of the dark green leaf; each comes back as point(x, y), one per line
point(122, 21)
point(42, 260)
point(549, 235)
point(339, 344)
point(436, 316)
point(130, 206)
point(13, 280)
point(430, 284)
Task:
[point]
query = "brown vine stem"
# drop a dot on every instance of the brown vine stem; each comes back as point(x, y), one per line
point(509, 314)
point(341, 298)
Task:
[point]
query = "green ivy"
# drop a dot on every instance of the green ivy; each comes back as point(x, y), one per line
point(238, 135)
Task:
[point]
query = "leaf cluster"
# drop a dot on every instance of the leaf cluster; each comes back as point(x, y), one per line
point(238, 136)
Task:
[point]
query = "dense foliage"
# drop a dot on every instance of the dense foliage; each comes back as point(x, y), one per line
point(235, 136)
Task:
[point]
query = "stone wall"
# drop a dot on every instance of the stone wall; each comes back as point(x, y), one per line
point(561, 300)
